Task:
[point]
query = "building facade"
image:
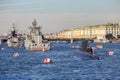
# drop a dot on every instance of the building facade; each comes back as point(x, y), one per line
point(97, 31)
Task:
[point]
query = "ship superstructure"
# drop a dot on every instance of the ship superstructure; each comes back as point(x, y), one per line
point(13, 39)
point(34, 40)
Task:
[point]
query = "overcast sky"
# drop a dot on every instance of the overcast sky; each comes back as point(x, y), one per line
point(56, 15)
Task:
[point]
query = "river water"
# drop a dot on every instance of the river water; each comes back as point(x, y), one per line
point(68, 63)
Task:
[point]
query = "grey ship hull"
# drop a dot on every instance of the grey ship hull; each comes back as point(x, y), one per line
point(37, 47)
point(14, 44)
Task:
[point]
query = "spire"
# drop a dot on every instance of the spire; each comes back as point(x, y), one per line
point(34, 23)
point(13, 28)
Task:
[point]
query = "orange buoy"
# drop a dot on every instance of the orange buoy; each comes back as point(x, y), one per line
point(47, 61)
point(43, 49)
point(110, 53)
point(16, 54)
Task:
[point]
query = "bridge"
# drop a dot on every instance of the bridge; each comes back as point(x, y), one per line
point(66, 39)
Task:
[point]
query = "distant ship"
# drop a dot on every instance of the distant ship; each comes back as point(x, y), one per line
point(34, 40)
point(13, 39)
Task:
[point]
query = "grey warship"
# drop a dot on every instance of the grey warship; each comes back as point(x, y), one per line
point(13, 39)
point(34, 40)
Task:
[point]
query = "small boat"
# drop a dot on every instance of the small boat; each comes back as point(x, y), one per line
point(34, 39)
point(13, 39)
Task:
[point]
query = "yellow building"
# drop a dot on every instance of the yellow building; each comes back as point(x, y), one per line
point(65, 34)
point(97, 32)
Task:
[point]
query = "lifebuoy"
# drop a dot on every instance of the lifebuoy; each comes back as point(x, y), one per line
point(16, 54)
point(43, 49)
point(2, 48)
point(47, 61)
point(110, 53)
